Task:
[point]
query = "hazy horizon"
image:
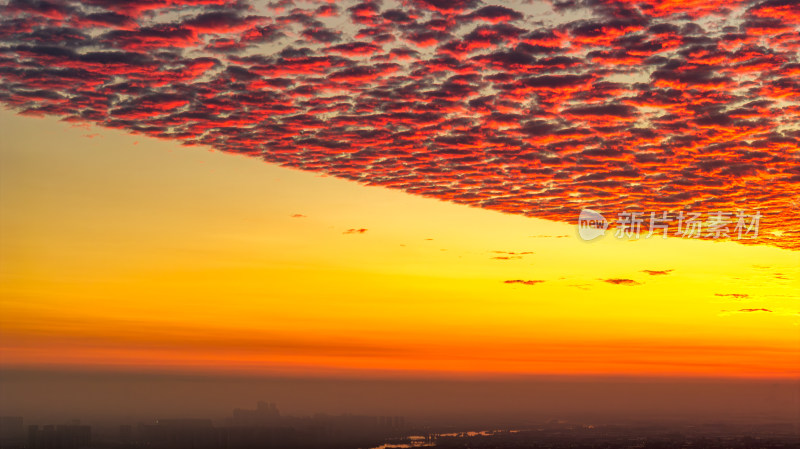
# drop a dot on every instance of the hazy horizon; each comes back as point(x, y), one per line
point(52, 397)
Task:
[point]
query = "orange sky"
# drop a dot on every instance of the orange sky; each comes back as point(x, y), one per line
point(128, 253)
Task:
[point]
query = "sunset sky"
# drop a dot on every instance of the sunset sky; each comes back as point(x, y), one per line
point(378, 189)
point(127, 253)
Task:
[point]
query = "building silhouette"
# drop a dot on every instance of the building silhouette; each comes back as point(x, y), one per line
point(265, 414)
point(12, 432)
point(73, 436)
point(179, 433)
point(264, 427)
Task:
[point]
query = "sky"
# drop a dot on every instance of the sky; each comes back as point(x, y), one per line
point(142, 278)
point(366, 190)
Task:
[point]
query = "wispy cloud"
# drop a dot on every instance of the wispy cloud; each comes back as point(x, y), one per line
point(621, 281)
point(523, 282)
point(657, 272)
point(510, 255)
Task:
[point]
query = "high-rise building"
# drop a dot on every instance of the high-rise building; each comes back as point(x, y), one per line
point(12, 432)
point(265, 414)
point(59, 437)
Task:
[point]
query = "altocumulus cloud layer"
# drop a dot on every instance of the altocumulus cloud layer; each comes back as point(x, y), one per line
point(536, 108)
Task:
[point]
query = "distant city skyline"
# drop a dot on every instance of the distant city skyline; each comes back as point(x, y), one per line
point(265, 427)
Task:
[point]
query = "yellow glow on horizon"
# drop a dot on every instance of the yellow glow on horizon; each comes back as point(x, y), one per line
point(147, 255)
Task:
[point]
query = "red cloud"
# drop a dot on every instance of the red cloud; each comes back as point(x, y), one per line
point(642, 107)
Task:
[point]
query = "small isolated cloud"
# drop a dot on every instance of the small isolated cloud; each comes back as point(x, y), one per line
point(523, 253)
point(733, 295)
point(734, 312)
point(621, 281)
point(298, 216)
point(355, 231)
point(509, 255)
point(523, 282)
point(657, 272)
